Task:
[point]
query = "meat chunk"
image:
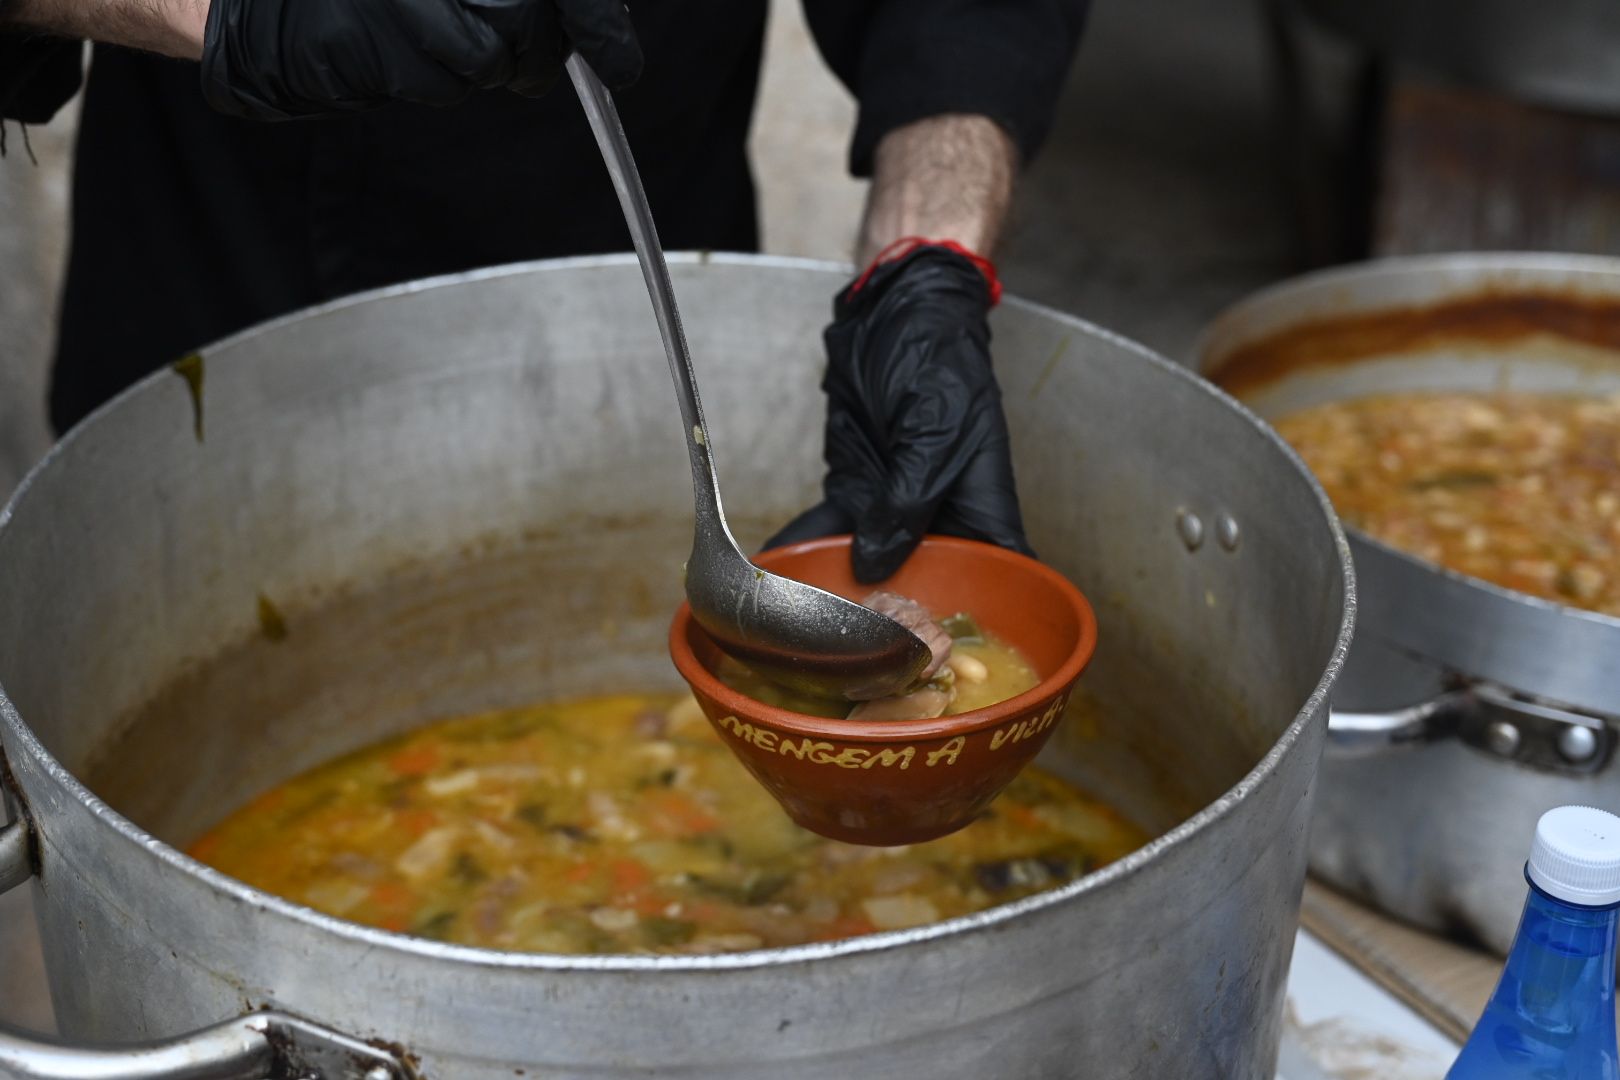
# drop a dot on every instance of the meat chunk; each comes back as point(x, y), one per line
point(916, 618)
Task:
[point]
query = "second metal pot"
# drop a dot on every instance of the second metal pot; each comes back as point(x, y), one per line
point(1466, 710)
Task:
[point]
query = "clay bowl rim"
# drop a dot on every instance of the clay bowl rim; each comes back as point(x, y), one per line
point(889, 731)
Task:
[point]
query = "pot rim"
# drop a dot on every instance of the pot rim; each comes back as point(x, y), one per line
point(1199, 353)
point(1312, 711)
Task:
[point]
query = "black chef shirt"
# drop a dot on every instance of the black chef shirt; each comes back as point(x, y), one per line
point(188, 225)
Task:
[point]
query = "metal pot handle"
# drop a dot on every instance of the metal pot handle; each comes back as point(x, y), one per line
point(262, 1044)
point(1361, 734)
point(1487, 718)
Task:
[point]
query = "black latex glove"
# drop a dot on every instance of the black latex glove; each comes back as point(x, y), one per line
point(915, 440)
point(274, 59)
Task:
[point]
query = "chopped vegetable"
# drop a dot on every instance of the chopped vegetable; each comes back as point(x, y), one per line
point(532, 814)
point(674, 813)
point(899, 912)
point(415, 760)
point(615, 919)
point(963, 628)
point(1028, 873)
point(415, 822)
point(467, 870)
point(429, 854)
point(756, 888)
point(628, 875)
point(435, 926)
point(660, 931)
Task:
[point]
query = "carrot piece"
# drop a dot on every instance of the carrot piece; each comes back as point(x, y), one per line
point(414, 760)
point(580, 873)
point(677, 814)
point(392, 896)
point(206, 847)
point(846, 926)
point(1023, 815)
point(415, 821)
point(629, 875)
point(648, 904)
point(703, 912)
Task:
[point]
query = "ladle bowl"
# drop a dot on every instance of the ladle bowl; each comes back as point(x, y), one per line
point(902, 782)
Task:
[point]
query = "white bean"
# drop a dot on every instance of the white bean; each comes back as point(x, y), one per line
point(968, 668)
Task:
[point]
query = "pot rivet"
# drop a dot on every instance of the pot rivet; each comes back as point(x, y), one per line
point(1226, 531)
point(1577, 743)
point(1191, 529)
point(1503, 738)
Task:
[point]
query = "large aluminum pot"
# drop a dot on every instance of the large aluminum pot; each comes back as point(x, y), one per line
point(469, 493)
point(1466, 710)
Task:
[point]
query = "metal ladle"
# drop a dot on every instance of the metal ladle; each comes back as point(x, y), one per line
point(790, 632)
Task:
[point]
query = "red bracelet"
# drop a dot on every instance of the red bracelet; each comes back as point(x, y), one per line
point(907, 244)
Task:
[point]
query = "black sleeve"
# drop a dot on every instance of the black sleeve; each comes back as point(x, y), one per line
point(905, 60)
point(38, 75)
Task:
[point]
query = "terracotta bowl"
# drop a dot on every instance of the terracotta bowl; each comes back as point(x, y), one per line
point(901, 782)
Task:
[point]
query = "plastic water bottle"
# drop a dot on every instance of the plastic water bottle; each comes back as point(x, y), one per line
point(1552, 1014)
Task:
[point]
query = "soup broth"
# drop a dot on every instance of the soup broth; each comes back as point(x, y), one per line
point(622, 825)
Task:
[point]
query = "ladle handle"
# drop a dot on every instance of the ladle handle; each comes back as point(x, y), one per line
point(621, 166)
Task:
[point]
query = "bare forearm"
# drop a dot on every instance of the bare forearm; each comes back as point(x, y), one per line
point(170, 27)
point(944, 178)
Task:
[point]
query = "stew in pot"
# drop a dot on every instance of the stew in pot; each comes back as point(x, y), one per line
point(623, 825)
point(1522, 490)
